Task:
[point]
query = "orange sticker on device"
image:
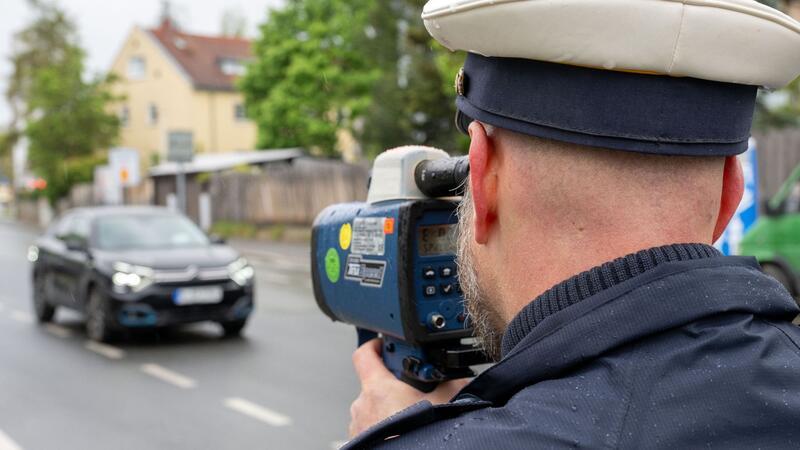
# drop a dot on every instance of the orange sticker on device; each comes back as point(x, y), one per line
point(388, 225)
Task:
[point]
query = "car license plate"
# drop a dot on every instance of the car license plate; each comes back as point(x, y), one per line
point(197, 295)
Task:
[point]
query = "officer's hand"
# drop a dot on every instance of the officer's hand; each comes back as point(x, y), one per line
point(382, 394)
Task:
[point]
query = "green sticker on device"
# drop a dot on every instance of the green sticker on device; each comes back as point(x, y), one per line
point(332, 265)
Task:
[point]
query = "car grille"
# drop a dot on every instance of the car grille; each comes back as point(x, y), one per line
point(191, 273)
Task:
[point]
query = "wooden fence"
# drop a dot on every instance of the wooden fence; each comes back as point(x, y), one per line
point(778, 154)
point(290, 194)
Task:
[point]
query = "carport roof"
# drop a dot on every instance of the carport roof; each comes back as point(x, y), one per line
point(216, 162)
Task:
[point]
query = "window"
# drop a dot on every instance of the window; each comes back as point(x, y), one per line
point(80, 227)
point(62, 227)
point(73, 227)
point(152, 114)
point(137, 68)
point(231, 66)
point(239, 112)
point(124, 116)
point(147, 231)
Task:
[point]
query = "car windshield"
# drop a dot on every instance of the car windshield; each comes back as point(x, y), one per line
point(147, 231)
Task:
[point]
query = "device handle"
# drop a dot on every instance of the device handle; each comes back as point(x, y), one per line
point(397, 355)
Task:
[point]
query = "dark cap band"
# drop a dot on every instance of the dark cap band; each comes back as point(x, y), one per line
point(610, 109)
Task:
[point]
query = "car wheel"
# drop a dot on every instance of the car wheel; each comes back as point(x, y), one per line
point(41, 306)
point(97, 320)
point(234, 328)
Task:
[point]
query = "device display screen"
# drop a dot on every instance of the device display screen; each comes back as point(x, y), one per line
point(437, 240)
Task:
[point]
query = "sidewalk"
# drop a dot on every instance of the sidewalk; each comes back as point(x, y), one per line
point(295, 257)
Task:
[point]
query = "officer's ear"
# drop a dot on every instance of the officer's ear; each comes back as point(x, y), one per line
point(482, 180)
point(732, 191)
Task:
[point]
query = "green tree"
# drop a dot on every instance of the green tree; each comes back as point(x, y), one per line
point(38, 45)
point(65, 117)
point(367, 67)
point(778, 109)
point(413, 102)
point(309, 78)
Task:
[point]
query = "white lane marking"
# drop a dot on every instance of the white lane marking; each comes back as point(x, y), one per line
point(258, 412)
point(336, 445)
point(21, 316)
point(168, 376)
point(105, 350)
point(58, 330)
point(6, 443)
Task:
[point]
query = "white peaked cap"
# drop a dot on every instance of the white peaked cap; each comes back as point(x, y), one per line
point(733, 41)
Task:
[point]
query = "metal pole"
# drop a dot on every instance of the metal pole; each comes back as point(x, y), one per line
point(180, 188)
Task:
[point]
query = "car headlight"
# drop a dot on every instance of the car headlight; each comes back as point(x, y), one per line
point(241, 272)
point(129, 276)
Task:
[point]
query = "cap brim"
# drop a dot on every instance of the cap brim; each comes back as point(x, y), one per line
point(462, 122)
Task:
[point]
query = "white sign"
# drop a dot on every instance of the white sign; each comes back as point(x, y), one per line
point(368, 236)
point(124, 163)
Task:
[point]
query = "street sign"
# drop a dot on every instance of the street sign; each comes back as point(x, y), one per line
point(124, 164)
point(180, 146)
point(747, 212)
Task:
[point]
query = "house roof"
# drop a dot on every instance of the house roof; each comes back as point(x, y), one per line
point(200, 57)
point(216, 162)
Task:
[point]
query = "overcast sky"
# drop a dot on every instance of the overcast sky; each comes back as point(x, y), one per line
point(104, 24)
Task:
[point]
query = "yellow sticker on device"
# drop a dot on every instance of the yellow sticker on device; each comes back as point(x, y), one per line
point(345, 236)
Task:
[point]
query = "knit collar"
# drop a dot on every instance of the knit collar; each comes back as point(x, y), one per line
point(595, 280)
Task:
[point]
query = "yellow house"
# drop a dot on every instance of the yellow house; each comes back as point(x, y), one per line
point(792, 7)
point(179, 83)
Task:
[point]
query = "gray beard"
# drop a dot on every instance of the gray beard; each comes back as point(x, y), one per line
point(481, 310)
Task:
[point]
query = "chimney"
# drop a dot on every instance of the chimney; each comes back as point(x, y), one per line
point(166, 20)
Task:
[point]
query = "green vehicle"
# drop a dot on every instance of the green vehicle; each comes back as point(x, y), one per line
point(775, 238)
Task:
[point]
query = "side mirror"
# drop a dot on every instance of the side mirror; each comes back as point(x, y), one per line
point(216, 239)
point(76, 245)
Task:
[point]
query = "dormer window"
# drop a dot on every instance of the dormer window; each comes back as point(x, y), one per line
point(231, 66)
point(180, 43)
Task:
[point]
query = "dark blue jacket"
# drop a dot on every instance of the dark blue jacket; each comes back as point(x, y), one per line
point(687, 354)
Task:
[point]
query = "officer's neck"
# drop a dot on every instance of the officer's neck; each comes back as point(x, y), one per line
point(532, 269)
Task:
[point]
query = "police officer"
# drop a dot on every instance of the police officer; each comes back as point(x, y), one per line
point(604, 137)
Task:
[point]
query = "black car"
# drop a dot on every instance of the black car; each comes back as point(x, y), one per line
point(138, 267)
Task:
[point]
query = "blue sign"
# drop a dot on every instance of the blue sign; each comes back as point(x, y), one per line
point(747, 212)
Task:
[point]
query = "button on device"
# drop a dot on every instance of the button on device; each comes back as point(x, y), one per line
point(428, 273)
point(446, 272)
point(447, 289)
point(430, 291)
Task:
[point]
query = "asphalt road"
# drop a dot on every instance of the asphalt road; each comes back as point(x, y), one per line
point(286, 384)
